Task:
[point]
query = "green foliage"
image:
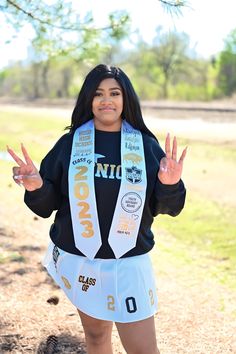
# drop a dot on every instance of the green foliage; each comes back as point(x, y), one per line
point(227, 66)
point(145, 75)
point(186, 91)
point(119, 24)
point(52, 78)
point(3, 75)
point(170, 53)
point(66, 46)
point(212, 84)
point(166, 69)
point(59, 33)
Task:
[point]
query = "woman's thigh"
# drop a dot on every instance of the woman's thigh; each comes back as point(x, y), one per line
point(95, 330)
point(138, 337)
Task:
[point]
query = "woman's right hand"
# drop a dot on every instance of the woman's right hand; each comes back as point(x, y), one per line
point(25, 173)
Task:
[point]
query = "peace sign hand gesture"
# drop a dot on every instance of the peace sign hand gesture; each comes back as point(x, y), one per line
point(170, 169)
point(25, 173)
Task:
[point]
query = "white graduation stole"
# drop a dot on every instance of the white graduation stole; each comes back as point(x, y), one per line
point(130, 202)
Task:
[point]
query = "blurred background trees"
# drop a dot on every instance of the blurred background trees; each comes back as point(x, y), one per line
point(66, 45)
point(227, 66)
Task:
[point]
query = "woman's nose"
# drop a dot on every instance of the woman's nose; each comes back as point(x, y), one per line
point(105, 99)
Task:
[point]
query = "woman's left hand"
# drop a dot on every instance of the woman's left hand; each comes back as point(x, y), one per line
point(170, 169)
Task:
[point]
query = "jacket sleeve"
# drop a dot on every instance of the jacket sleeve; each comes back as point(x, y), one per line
point(46, 199)
point(168, 199)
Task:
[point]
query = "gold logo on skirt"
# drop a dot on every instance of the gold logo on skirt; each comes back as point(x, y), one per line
point(66, 282)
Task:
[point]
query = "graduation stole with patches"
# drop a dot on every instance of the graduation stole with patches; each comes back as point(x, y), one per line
point(130, 202)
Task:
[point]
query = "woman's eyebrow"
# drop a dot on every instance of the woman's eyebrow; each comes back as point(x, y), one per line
point(110, 89)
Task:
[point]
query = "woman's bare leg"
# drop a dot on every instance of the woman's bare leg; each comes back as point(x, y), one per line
point(139, 337)
point(97, 334)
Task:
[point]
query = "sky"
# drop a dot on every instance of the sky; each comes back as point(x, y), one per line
point(207, 22)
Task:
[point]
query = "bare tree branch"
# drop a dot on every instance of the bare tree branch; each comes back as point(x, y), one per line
point(59, 28)
point(175, 3)
point(174, 7)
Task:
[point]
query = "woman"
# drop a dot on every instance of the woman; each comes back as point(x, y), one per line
point(107, 178)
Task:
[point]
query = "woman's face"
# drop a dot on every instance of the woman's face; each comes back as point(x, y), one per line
point(107, 106)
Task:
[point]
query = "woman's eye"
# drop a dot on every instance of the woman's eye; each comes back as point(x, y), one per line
point(112, 94)
point(115, 93)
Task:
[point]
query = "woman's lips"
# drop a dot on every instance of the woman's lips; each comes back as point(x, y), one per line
point(108, 109)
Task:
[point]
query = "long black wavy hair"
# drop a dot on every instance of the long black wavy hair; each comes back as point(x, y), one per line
point(131, 106)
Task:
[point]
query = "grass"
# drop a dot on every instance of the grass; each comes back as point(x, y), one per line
point(204, 234)
point(211, 150)
point(37, 131)
point(203, 223)
point(206, 150)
